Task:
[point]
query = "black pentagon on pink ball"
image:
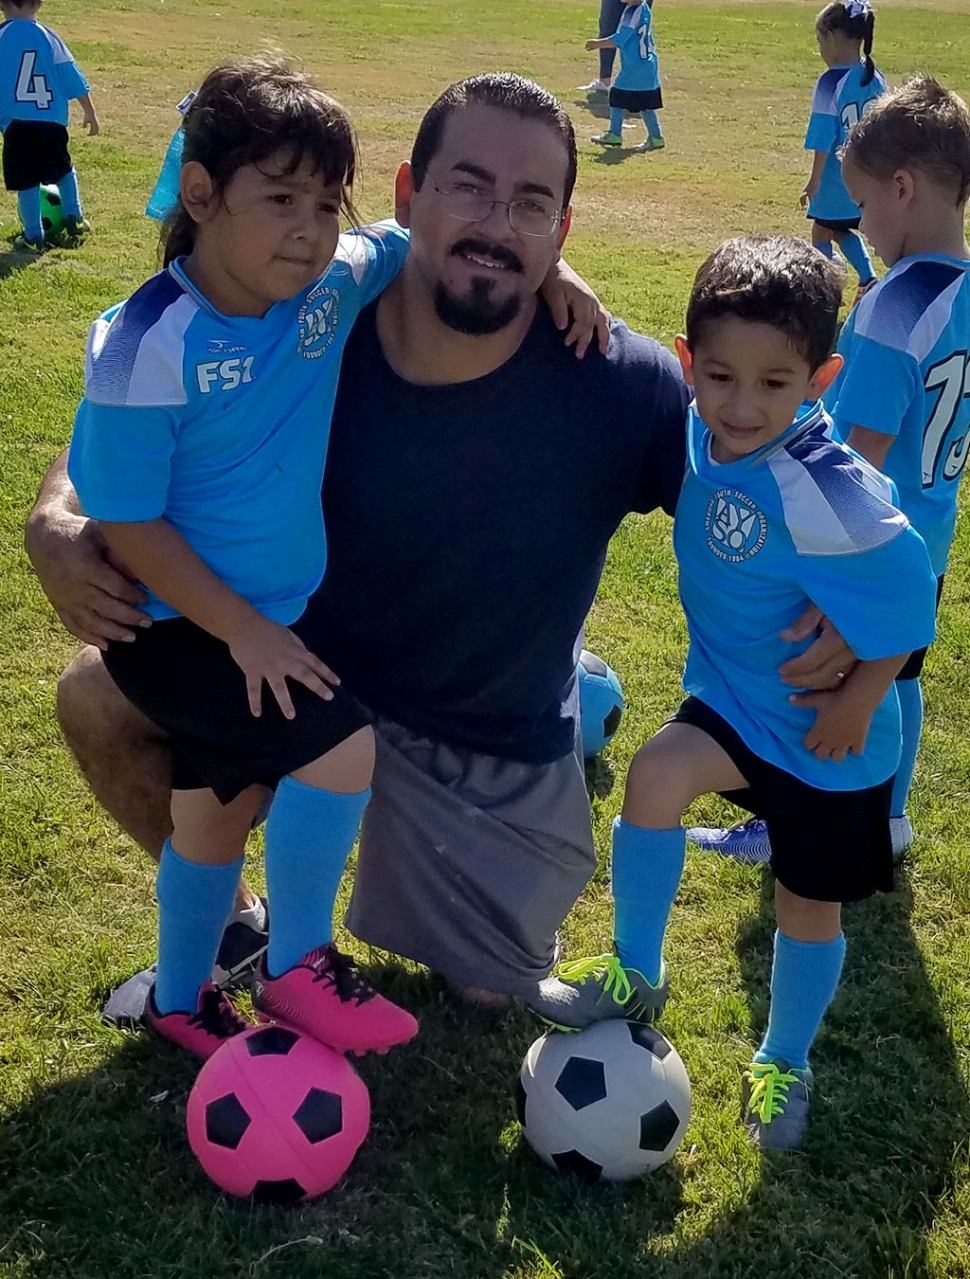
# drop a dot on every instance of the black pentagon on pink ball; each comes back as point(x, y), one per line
point(581, 1082)
point(288, 1191)
point(271, 1041)
point(319, 1115)
point(647, 1037)
point(226, 1121)
point(572, 1161)
point(657, 1127)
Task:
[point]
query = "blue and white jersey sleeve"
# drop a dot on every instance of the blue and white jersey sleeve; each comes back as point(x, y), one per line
point(907, 375)
point(373, 255)
point(38, 74)
point(823, 123)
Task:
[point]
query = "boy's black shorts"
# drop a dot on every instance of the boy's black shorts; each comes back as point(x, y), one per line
point(914, 663)
point(838, 224)
point(636, 100)
point(828, 846)
point(34, 152)
point(185, 680)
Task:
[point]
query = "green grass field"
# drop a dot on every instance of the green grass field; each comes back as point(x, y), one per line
point(96, 1179)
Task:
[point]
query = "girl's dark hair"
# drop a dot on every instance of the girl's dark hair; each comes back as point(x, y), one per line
point(245, 112)
point(779, 280)
point(920, 126)
point(855, 19)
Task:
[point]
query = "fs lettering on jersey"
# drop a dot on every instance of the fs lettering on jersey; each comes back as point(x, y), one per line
point(736, 528)
point(224, 375)
point(318, 321)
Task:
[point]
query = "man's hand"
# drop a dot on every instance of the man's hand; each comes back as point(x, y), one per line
point(824, 664)
point(271, 652)
point(92, 593)
point(568, 295)
point(841, 724)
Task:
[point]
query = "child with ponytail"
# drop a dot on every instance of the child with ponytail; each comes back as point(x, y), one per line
point(844, 31)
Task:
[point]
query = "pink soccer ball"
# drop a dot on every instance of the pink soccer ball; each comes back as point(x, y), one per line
point(276, 1115)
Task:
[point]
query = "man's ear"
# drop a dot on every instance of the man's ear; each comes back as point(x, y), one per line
point(685, 357)
point(196, 189)
point(564, 226)
point(825, 375)
point(403, 191)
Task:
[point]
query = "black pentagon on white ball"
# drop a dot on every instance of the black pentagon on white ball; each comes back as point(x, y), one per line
point(226, 1121)
point(610, 1102)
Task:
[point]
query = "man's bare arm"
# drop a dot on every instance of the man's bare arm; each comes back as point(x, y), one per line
point(92, 593)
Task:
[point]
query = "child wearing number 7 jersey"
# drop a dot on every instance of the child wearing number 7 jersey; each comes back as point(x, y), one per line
point(38, 78)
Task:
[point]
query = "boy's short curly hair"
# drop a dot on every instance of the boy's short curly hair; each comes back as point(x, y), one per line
point(920, 126)
point(777, 280)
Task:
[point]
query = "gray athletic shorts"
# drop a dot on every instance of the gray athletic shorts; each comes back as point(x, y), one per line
point(469, 863)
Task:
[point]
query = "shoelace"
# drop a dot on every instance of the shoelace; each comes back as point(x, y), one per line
point(217, 1016)
point(340, 971)
point(769, 1090)
point(617, 983)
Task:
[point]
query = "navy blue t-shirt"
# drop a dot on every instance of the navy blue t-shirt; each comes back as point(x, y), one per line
point(467, 528)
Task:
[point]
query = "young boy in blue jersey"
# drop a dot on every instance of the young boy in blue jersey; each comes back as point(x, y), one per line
point(637, 87)
point(38, 78)
point(844, 31)
point(773, 513)
point(903, 397)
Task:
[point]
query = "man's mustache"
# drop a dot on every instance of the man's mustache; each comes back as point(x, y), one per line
point(498, 253)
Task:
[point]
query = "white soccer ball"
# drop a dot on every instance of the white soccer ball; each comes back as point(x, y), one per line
point(610, 1102)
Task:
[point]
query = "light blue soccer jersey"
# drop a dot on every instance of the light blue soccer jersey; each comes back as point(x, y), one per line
point(840, 100)
point(803, 519)
point(38, 75)
point(220, 424)
point(907, 373)
point(639, 70)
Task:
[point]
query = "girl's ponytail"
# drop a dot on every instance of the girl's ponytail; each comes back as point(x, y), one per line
point(870, 20)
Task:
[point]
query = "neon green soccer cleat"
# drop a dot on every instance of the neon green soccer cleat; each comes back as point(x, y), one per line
point(585, 991)
point(776, 1103)
point(608, 139)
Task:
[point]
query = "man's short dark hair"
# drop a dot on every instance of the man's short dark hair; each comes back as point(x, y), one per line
point(778, 280)
point(497, 89)
point(921, 126)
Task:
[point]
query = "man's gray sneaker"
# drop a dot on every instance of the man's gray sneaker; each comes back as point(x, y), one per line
point(776, 1104)
point(585, 991)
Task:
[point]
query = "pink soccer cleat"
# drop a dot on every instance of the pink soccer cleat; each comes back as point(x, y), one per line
point(325, 996)
point(202, 1032)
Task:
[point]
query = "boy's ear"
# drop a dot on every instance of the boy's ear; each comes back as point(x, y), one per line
point(403, 191)
point(825, 375)
point(196, 190)
point(904, 182)
point(685, 357)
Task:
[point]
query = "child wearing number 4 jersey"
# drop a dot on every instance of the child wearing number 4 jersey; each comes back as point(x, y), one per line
point(773, 513)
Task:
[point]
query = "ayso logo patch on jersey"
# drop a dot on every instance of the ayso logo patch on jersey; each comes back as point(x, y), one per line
point(318, 321)
point(736, 529)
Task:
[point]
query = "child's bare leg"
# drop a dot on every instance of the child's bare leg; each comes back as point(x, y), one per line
point(197, 878)
point(822, 240)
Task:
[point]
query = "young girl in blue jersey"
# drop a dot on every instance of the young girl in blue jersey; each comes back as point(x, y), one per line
point(844, 30)
point(773, 514)
point(903, 398)
point(200, 446)
point(637, 87)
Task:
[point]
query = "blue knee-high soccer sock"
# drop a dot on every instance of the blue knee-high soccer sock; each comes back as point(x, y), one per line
point(911, 707)
point(70, 196)
point(28, 205)
point(804, 978)
point(652, 121)
point(309, 835)
point(616, 121)
point(647, 866)
point(194, 902)
point(825, 246)
point(854, 251)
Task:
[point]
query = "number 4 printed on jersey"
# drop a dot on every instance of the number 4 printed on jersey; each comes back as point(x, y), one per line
point(952, 376)
point(30, 86)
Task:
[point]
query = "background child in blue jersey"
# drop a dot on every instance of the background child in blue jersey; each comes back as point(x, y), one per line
point(903, 398)
point(844, 31)
point(773, 514)
point(200, 446)
point(38, 78)
point(637, 87)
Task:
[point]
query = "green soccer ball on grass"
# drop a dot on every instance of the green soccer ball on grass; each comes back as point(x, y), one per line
point(51, 211)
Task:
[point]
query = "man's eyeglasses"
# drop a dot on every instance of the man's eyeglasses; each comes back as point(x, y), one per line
point(531, 215)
